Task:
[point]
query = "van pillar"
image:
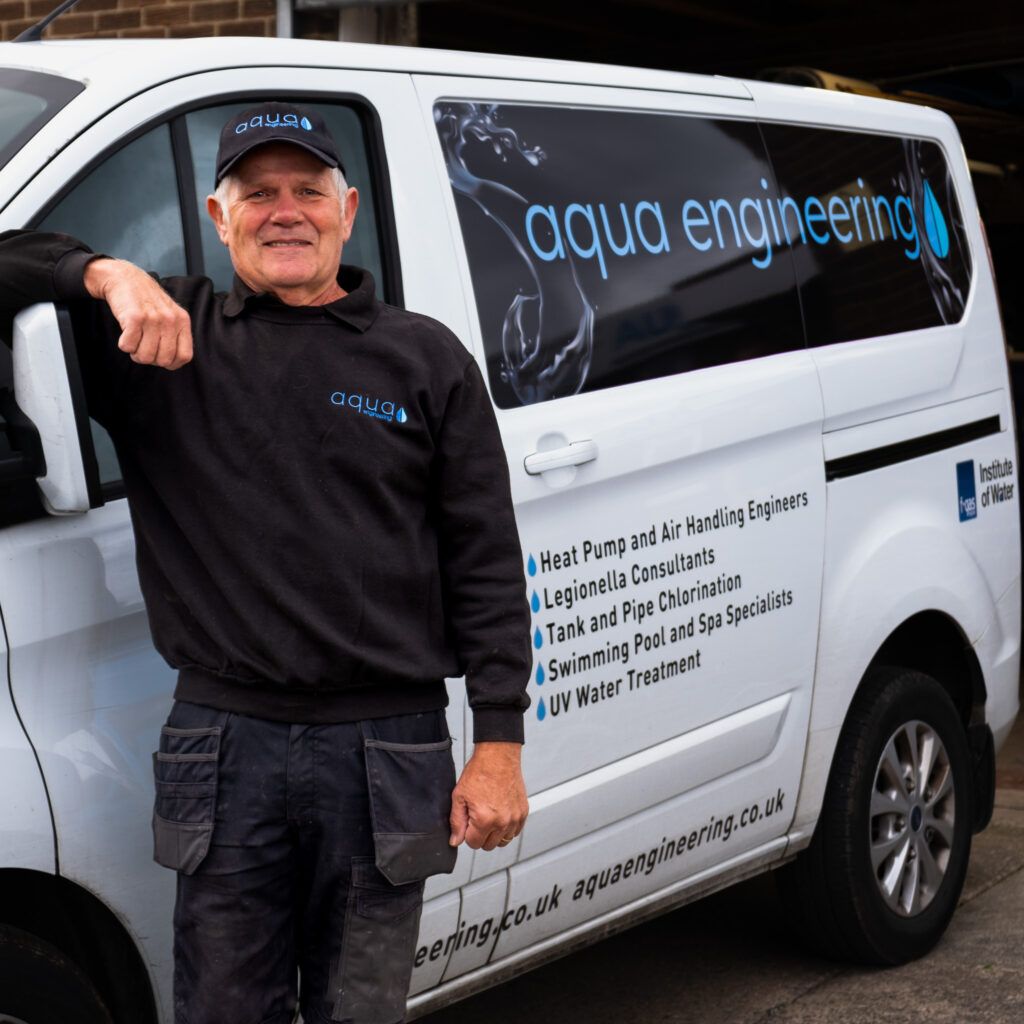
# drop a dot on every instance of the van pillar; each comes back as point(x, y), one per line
point(381, 22)
point(285, 29)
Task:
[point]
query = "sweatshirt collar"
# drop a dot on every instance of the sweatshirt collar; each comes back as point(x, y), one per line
point(358, 308)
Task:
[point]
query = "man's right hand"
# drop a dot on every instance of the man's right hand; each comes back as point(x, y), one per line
point(155, 330)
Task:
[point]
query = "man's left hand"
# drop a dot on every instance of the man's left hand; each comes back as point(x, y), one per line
point(489, 802)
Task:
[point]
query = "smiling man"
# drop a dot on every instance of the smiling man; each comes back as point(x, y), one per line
point(314, 568)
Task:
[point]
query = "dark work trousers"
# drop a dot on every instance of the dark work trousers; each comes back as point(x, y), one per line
point(271, 828)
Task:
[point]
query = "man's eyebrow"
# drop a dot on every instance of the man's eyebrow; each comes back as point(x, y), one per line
point(260, 183)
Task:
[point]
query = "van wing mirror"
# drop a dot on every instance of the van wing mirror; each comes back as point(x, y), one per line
point(49, 390)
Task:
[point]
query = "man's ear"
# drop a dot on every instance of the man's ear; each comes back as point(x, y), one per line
point(351, 206)
point(217, 216)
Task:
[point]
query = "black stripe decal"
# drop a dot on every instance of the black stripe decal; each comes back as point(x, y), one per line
point(903, 451)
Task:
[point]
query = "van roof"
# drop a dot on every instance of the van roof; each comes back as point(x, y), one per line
point(148, 62)
point(145, 63)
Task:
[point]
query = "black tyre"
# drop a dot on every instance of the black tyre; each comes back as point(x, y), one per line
point(882, 876)
point(39, 985)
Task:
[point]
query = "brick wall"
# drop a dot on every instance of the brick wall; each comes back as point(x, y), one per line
point(153, 19)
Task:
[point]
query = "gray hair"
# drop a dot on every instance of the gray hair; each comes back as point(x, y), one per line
point(220, 193)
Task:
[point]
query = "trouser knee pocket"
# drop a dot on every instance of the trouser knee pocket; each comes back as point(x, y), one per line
point(381, 925)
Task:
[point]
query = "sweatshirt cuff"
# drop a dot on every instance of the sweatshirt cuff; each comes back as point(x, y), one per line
point(68, 275)
point(497, 725)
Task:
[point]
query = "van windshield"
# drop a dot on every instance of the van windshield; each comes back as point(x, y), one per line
point(28, 99)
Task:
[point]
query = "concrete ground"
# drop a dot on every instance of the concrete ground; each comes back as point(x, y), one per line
point(729, 959)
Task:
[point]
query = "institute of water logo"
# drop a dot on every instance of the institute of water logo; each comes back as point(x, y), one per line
point(967, 497)
point(365, 405)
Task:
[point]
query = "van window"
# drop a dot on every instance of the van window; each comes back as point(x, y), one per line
point(28, 99)
point(607, 247)
point(877, 233)
point(364, 247)
point(126, 207)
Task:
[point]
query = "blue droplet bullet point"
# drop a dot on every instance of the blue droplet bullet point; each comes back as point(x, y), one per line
point(540, 674)
point(535, 602)
point(538, 640)
point(935, 224)
point(542, 712)
point(531, 566)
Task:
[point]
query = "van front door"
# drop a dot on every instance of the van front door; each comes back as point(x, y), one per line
point(91, 690)
point(643, 343)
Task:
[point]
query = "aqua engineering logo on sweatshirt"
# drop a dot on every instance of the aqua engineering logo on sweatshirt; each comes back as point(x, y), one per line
point(375, 407)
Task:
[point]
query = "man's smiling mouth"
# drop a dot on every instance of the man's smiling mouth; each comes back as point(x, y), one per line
point(287, 244)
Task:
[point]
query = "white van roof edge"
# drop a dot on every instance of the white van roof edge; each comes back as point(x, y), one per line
point(152, 61)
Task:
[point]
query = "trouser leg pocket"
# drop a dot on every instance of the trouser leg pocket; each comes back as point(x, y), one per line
point(185, 774)
point(382, 921)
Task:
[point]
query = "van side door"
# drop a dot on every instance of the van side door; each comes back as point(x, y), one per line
point(642, 339)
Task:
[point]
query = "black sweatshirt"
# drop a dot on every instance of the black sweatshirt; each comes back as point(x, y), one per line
point(321, 505)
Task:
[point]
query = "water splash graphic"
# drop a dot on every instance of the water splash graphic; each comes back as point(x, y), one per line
point(949, 297)
point(537, 366)
point(542, 711)
point(535, 602)
point(540, 675)
point(935, 224)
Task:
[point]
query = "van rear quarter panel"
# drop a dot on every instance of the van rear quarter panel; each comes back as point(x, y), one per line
point(895, 542)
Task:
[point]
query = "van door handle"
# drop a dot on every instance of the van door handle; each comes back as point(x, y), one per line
point(574, 454)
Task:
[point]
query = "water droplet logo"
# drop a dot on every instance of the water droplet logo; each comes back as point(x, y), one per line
point(542, 711)
point(535, 602)
point(935, 224)
point(540, 675)
point(306, 124)
point(531, 566)
point(401, 415)
point(538, 640)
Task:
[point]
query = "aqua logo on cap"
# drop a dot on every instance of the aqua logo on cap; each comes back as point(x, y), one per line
point(274, 122)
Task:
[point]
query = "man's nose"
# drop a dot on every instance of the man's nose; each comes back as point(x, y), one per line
point(286, 210)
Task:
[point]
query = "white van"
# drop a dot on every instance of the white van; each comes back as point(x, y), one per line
point(745, 352)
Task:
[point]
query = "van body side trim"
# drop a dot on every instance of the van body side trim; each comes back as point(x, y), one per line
point(913, 448)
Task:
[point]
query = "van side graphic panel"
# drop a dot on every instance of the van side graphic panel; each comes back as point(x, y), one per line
point(927, 444)
point(675, 249)
point(596, 265)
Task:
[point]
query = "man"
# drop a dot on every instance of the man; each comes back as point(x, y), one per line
point(324, 532)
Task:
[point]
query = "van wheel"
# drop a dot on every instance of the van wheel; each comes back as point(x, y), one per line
point(39, 985)
point(882, 876)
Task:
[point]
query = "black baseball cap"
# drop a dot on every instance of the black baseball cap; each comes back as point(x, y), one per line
point(274, 122)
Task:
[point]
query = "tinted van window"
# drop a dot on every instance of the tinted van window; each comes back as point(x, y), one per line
point(28, 99)
point(607, 247)
point(128, 206)
point(878, 237)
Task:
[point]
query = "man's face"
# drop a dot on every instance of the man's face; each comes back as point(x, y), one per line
point(286, 223)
